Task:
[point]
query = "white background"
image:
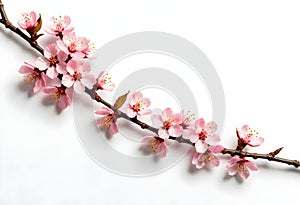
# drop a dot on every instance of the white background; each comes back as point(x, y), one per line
point(254, 46)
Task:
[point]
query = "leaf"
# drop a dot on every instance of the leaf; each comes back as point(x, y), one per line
point(38, 26)
point(121, 100)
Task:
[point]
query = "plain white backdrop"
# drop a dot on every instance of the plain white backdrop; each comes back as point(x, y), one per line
point(253, 45)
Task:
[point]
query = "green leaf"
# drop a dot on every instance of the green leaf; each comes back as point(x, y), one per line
point(121, 100)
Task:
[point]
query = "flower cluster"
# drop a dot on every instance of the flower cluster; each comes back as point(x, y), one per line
point(63, 68)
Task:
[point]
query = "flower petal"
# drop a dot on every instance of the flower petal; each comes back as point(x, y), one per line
point(104, 111)
point(201, 147)
point(233, 170)
point(251, 165)
point(68, 81)
point(233, 161)
point(79, 87)
point(157, 121)
point(199, 125)
point(256, 141)
point(162, 133)
point(175, 131)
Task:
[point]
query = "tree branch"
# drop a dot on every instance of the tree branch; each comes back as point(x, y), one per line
point(92, 93)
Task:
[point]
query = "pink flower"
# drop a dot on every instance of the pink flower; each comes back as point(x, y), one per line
point(104, 82)
point(188, 118)
point(203, 135)
point(249, 136)
point(53, 61)
point(208, 158)
point(78, 76)
point(76, 46)
point(138, 105)
point(157, 144)
point(109, 120)
point(88, 52)
point(169, 124)
point(33, 75)
point(59, 95)
point(28, 20)
point(241, 166)
point(59, 26)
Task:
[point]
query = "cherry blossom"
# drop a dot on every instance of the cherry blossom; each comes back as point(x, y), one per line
point(75, 46)
point(28, 20)
point(157, 144)
point(78, 76)
point(109, 120)
point(203, 135)
point(169, 124)
point(104, 82)
point(59, 95)
point(53, 61)
point(249, 136)
point(33, 75)
point(59, 26)
point(88, 52)
point(241, 166)
point(208, 158)
point(138, 105)
point(188, 119)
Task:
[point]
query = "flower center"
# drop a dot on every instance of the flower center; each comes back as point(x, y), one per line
point(168, 123)
point(77, 76)
point(53, 60)
point(202, 135)
point(154, 143)
point(107, 121)
point(241, 167)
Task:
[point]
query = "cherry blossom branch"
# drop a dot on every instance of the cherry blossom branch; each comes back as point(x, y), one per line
point(205, 151)
point(5, 21)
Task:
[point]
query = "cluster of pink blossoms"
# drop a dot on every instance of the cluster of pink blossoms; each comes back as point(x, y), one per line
point(63, 68)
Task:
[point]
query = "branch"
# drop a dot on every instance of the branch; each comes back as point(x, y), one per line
point(92, 93)
point(5, 21)
point(268, 157)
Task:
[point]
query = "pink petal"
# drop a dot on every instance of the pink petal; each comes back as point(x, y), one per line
point(79, 87)
point(62, 46)
point(157, 120)
point(68, 81)
point(113, 129)
point(147, 102)
point(215, 160)
point(88, 80)
point(51, 73)
point(178, 118)
point(62, 56)
point(175, 131)
point(216, 149)
point(233, 170)
point(26, 69)
point(104, 111)
point(201, 147)
point(148, 138)
point(212, 139)
point(199, 125)
point(38, 85)
point(64, 102)
point(50, 90)
point(72, 66)
point(51, 51)
point(251, 165)
point(195, 158)
point(167, 114)
point(211, 127)
point(130, 112)
point(256, 141)
point(42, 63)
point(61, 68)
point(193, 136)
point(244, 174)
point(162, 133)
point(162, 150)
point(233, 161)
